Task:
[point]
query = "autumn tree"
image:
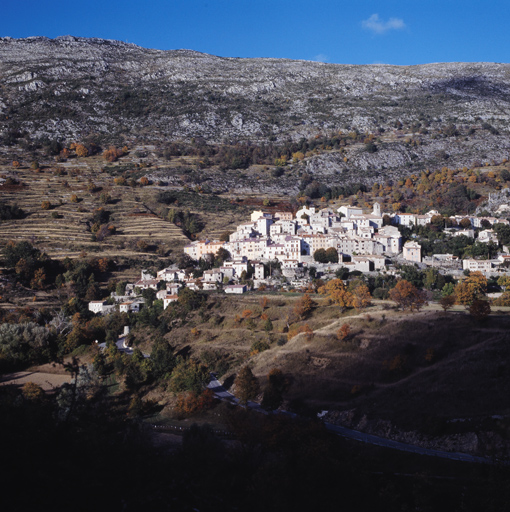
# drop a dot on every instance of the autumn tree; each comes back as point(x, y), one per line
point(247, 385)
point(337, 293)
point(407, 296)
point(473, 287)
point(304, 306)
point(502, 300)
point(78, 335)
point(361, 297)
point(504, 282)
point(246, 313)
point(192, 403)
point(264, 302)
point(112, 153)
point(32, 392)
point(308, 332)
point(343, 333)
point(81, 150)
point(480, 309)
point(38, 279)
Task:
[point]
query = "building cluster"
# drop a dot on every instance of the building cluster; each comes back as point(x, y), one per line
point(359, 238)
point(167, 283)
point(362, 242)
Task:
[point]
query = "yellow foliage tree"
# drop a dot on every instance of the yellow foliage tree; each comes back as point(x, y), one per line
point(361, 297)
point(32, 392)
point(474, 287)
point(38, 279)
point(504, 282)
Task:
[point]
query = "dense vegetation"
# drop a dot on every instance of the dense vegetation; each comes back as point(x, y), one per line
point(277, 462)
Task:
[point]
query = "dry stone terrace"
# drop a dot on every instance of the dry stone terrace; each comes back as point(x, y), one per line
point(64, 229)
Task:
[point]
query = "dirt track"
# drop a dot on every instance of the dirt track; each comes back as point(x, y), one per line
point(48, 381)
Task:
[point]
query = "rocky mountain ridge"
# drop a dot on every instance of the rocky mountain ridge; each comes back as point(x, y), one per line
point(119, 87)
point(69, 88)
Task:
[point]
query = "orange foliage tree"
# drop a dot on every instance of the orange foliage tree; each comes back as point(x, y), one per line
point(192, 403)
point(38, 279)
point(343, 332)
point(112, 153)
point(336, 292)
point(264, 302)
point(294, 330)
point(304, 306)
point(32, 392)
point(407, 296)
point(103, 264)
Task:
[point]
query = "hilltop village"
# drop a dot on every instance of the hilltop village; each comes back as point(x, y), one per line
point(285, 251)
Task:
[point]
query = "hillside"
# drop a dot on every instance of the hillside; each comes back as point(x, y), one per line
point(426, 378)
point(71, 88)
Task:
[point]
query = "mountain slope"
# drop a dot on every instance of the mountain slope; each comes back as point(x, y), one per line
point(69, 87)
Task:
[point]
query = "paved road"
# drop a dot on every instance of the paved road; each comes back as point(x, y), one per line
point(215, 386)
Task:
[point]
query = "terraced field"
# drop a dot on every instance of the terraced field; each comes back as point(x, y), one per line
point(65, 228)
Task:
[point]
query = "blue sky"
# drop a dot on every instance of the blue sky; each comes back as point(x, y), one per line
point(346, 32)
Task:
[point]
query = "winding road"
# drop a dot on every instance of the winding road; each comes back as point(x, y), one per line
point(220, 392)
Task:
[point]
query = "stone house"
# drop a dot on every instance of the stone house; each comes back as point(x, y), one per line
point(412, 252)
